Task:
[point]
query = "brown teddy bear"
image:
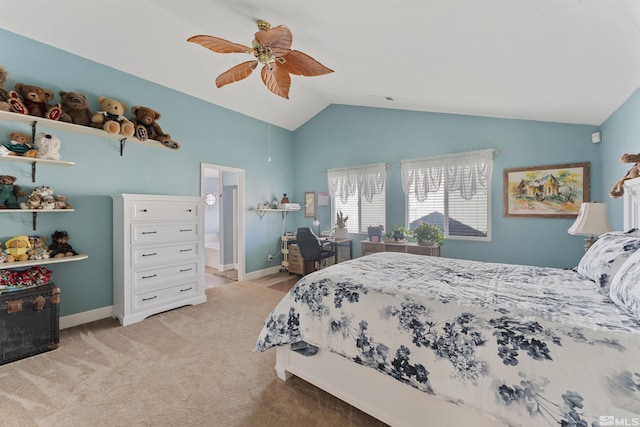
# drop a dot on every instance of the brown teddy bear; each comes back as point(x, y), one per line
point(9, 192)
point(17, 248)
point(618, 188)
point(20, 145)
point(34, 100)
point(75, 108)
point(148, 128)
point(4, 94)
point(112, 118)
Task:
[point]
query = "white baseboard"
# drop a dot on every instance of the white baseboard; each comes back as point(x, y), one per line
point(261, 273)
point(85, 317)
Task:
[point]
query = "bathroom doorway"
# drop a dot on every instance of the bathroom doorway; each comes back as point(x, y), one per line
point(222, 189)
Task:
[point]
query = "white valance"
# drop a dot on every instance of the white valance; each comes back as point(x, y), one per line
point(369, 180)
point(463, 172)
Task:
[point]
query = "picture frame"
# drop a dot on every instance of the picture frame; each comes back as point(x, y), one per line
point(553, 191)
point(309, 204)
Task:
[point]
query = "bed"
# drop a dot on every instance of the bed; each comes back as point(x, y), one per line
point(422, 341)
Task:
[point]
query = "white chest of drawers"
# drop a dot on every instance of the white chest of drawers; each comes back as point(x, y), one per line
point(158, 254)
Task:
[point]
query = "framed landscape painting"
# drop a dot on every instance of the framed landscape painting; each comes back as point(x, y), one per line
point(554, 191)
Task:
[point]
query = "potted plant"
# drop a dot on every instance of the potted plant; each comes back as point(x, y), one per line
point(341, 225)
point(399, 233)
point(428, 234)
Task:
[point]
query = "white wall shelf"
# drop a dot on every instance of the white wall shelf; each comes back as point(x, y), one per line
point(70, 127)
point(19, 264)
point(34, 212)
point(262, 211)
point(33, 161)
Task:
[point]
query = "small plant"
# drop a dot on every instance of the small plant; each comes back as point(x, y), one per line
point(341, 220)
point(428, 233)
point(398, 232)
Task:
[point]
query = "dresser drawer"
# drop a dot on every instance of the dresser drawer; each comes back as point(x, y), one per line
point(366, 247)
point(149, 255)
point(145, 300)
point(424, 250)
point(150, 210)
point(174, 273)
point(158, 233)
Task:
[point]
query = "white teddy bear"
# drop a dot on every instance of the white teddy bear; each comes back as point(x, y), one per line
point(48, 146)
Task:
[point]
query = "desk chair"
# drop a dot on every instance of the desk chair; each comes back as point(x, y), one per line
point(311, 249)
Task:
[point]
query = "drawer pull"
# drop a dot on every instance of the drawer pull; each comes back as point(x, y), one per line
point(149, 232)
point(155, 253)
point(186, 250)
point(185, 269)
point(143, 210)
point(189, 210)
point(185, 290)
point(188, 229)
point(149, 277)
point(149, 299)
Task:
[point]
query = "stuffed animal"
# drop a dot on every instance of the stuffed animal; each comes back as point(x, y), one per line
point(47, 145)
point(9, 192)
point(75, 108)
point(61, 202)
point(34, 100)
point(17, 248)
point(48, 203)
point(60, 246)
point(43, 191)
point(148, 128)
point(618, 188)
point(39, 249)
point(4, 94)
point(112, 118)
point(34, 201)
point(20, 145)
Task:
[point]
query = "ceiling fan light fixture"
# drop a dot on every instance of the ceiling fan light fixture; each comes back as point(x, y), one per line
point(272, 48)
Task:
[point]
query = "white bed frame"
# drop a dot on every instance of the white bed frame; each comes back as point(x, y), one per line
point(389, 400)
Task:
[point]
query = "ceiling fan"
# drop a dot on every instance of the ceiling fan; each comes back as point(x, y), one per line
point(272, 48)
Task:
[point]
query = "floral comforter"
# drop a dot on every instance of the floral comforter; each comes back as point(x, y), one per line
point(528, 345)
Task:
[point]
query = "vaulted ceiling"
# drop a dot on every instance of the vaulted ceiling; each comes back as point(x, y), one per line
point(572, 61)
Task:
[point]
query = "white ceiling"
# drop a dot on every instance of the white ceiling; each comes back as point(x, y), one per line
point(573, 61)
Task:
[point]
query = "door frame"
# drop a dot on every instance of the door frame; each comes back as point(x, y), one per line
point(240, 220)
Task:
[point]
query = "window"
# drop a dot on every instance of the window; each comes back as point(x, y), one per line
point(453, 192)
point(359, 192)
point(362, 214)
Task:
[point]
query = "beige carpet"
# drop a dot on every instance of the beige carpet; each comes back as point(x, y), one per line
point(193, 366)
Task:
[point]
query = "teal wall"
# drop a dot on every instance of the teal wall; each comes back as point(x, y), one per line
point(338, 136)
point(208, 134)
point(345, 136)
point(620, 134)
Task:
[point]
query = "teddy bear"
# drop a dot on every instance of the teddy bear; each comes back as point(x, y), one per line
point(75, 108)
point(47, 145)
point(34, 100)
point(39, 249)
point(34, 201)
point(9, 192)
point(60, 246)
point(618, 188)
point(61, 202)
point(111, 118)
point(20, 145)
point(17, 248)
point(4, 94)
point(147, 127)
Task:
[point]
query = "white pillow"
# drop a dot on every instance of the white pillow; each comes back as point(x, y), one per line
point(625, 286)
point(603, 260)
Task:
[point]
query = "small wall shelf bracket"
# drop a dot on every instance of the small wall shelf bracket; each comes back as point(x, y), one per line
point(122, 143)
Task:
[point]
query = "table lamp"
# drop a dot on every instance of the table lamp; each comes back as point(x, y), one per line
point(316, 223)
point(591, 221)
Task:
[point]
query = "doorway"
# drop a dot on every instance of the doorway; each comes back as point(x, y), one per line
point(222, 189)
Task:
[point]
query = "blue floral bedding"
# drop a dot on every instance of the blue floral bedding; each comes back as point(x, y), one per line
point(526, 345)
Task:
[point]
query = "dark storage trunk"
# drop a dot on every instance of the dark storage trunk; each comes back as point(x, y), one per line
point(29, 322)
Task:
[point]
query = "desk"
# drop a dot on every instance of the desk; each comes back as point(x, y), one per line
point(297, 265)
point(407, 247)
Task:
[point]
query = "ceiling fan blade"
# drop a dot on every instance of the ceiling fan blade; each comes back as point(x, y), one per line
point(301, 64)
point(278, 39)
point(237, 73)
point(219, 45)
point(276, 79)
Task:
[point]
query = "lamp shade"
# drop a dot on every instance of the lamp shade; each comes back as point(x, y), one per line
point(592, 220)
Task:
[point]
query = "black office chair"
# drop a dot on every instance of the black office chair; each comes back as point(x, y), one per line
point(311, 249)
